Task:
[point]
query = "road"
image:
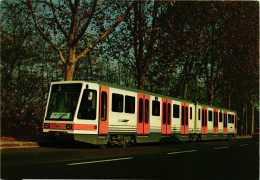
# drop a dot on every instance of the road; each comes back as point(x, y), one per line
point(235, 159)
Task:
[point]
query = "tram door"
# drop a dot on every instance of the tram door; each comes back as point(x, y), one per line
point(204, 122)
point(103, 110)
point(184, 118)
point(143, 114)
point(225, 123)
point(166, 116)
point(215, 122)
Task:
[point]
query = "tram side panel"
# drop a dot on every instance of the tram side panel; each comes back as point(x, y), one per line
point(198, 120)
point(122, 111)
point(220, 123)
point(231, 126)
point(210, 121)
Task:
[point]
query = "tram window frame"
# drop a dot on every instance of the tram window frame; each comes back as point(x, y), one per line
point(140, 110)
point(206, 117)
point(210, 115)
point(117, 102)
point(182, 115)
point(220, 117)
point(186, 115)
point(203, 117)
point(156, 108)
point(103, 106)
point(146, 110)
point(164, 113)
point(85, 106)
point(129, 104)
point(190, 113)
point(176, 111)
point(217, 119)
point(169, 114)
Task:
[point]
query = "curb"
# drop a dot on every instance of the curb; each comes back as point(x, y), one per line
point(17, 144)
point(243, 137)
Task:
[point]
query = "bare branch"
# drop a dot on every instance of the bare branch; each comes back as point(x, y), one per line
point(119, 20)
point(74, 19)
point(82, 32)
point(71, 5)
point(57, 22)
point(81, 18)
point(42, 33)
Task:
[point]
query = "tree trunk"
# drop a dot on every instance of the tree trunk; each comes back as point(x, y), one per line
point(70, 67)
point(211, 96)
point(184, 95)
point(141, 77)
point(230, 92)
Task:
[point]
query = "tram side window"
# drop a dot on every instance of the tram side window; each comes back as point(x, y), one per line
point(220, 117)
point(203, 117)
point(103, 106)
point(129, 104)
point(146, 111)
point(206, 120)
point(199, 114)
point(164, 113)
point(156, 108)
point(186, 114)
point(210, 115)
point(176, 111)
point(87, 109)
point(190, 112)
point(182, 115)
point(169, 114)
point(140, 117)
point(229, 118)
point(117, 102)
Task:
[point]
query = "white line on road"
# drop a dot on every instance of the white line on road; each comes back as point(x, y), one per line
point(222, 147)
point(181, 152)
point(244, 145)
point(106, 160)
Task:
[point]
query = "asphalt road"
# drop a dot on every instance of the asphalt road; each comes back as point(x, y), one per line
point(235, 159)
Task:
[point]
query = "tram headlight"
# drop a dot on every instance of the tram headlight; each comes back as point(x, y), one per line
point(68, 126)
point(46, 125)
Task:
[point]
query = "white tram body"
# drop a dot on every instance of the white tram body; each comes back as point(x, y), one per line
point(101, 113)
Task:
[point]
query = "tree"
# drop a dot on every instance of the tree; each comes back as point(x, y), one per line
point(137, 41)
point(71, 20)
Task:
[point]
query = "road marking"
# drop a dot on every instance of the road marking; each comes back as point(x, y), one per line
point(222, 147)
point(106, 160)
point(244, 145)
point(179, 152)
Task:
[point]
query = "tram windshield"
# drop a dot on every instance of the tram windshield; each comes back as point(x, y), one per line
point(63, 101)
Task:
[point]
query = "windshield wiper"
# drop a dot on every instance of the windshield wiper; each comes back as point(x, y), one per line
point(61, 116)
